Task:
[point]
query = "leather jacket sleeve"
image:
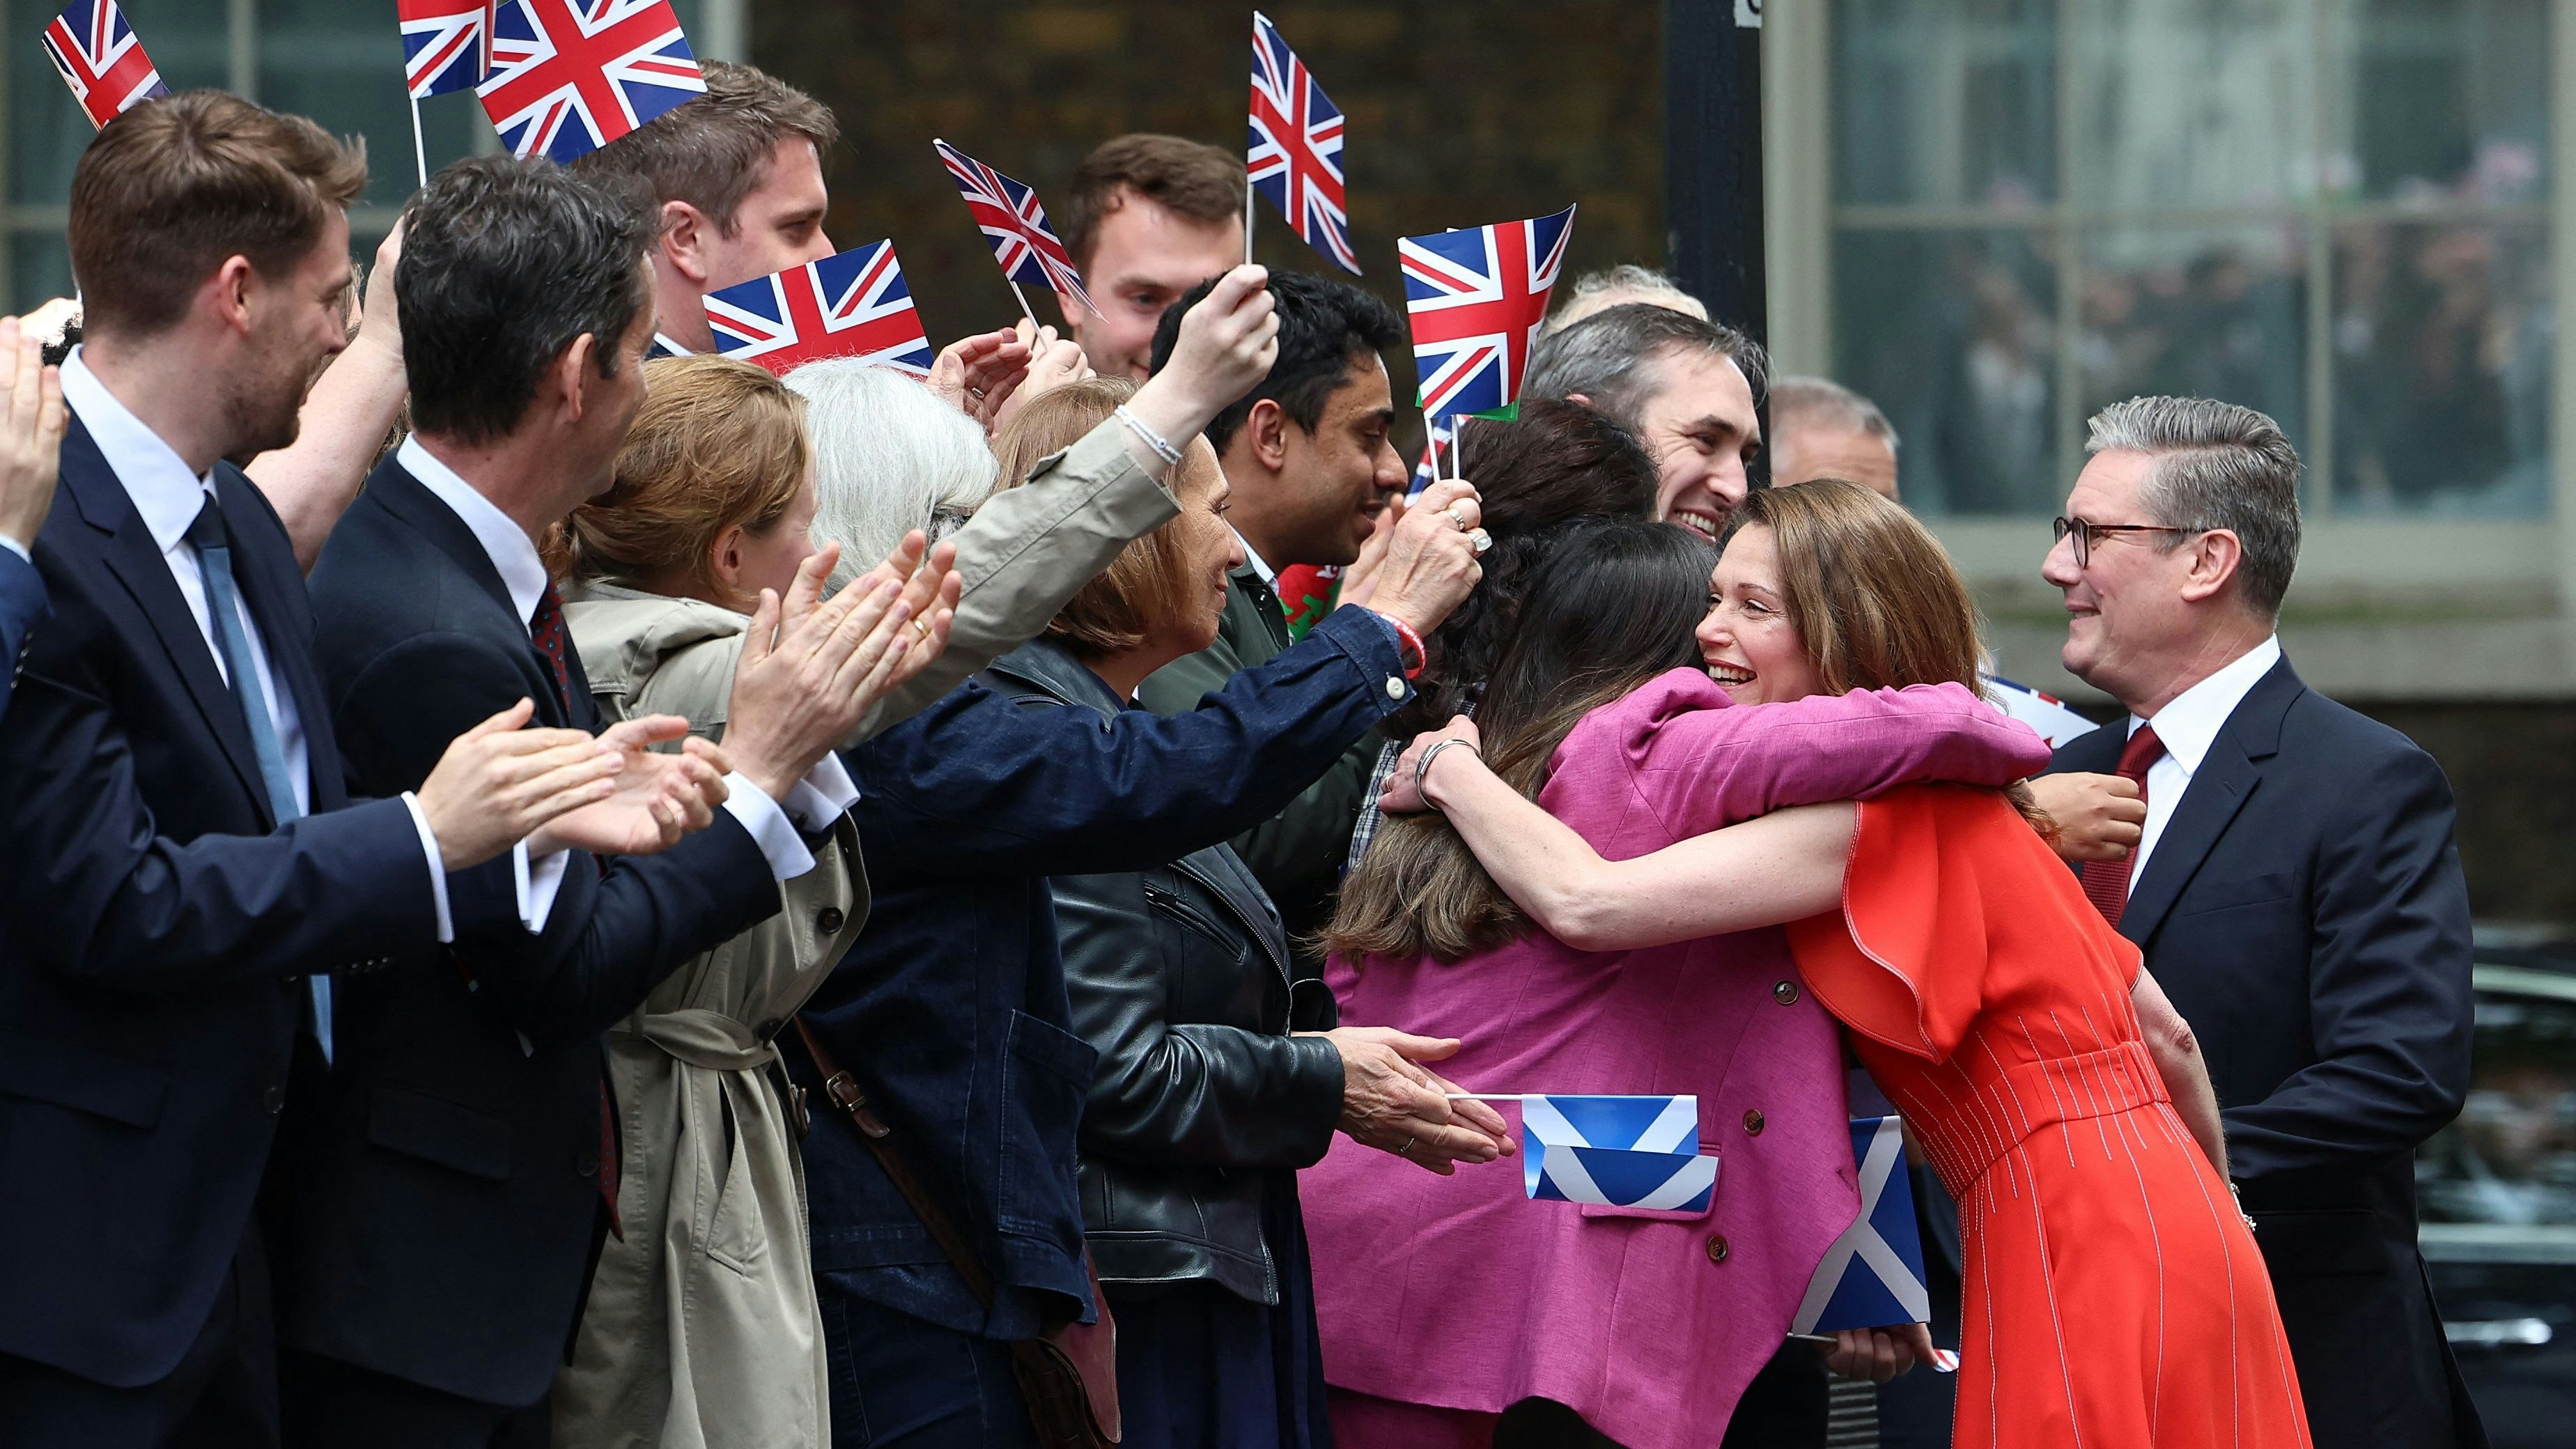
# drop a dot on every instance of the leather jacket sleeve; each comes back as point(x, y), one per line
point(1177, 1091)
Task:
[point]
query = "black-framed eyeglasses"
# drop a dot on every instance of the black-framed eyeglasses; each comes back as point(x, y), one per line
point(2088, 534)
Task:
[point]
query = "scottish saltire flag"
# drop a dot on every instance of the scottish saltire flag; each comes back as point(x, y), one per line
point(1475, 299)
point(570, 76)
point(447, 44)
point(1296, 154)
point(850, 304)
point(2045, 713)
point(1631, 1152)
point(1435, 448)
point(1013, 222)
point(1873, 1274)
point(101, 59)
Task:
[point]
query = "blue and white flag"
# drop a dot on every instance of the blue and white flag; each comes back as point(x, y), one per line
point(1631, 1152)
point(1873, 1274)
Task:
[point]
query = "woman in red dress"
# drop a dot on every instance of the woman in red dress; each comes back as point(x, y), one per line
point(2114, 1295)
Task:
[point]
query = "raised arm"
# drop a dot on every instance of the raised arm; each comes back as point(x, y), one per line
point(344, 422)
point(1782, 867)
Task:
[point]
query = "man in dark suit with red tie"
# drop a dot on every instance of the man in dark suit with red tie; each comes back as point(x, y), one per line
point(2295, 888)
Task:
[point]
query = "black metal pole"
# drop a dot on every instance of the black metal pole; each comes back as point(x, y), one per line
point(1713, 156)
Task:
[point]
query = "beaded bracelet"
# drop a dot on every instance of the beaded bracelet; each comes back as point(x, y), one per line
point(1162, 446)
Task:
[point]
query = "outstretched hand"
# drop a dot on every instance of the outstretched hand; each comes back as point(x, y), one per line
point(977, 374)
point(659, 797)
point(1392, 1103)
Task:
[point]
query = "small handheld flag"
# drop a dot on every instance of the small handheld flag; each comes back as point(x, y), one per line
point(2045, 713)
point(1296, 153)
point(447, 44)
point(570, 76)
point(1016, 226)
point(1434, 448)
point(102, 60)
point(1475, 299)
point(1631, 1152)
point(852, 304)
point(1872, 1276)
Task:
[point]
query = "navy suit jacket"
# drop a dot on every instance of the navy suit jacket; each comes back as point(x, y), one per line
point(2305, 911)
point(442, 1184)
point(153, 924)
point(22, 604)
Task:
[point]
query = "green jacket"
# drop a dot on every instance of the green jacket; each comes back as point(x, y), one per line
point(1296, 854)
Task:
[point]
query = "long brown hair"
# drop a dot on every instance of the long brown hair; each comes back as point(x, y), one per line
point(1609, 607)
point(1142, 587)
point(718, 444)
point(1873, 595)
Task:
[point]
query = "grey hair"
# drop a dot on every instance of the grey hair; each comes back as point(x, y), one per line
point(1821, 402)
point(889, 457)
point(1611, 357)
point(1593, 292)
point(2217, 465)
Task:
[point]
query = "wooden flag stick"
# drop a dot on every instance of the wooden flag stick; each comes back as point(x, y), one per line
point(419, 152)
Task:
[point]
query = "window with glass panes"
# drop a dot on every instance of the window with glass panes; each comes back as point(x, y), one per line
point(337, 61)
point(2331, 210)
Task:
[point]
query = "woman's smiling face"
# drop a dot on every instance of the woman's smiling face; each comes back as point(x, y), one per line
point(1747, 641)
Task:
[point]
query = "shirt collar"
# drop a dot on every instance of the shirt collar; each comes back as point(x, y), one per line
point(513, 556)
point(2190, 724)
point(1252, 556)
point(165, 493)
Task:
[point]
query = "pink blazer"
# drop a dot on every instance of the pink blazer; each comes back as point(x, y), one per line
point(1459, 1292)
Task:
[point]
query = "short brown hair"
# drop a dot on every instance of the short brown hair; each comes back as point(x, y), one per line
point(1142, 587)
point(1188, 179)
point(174, 187)
point(713, 150)
point(718, 444)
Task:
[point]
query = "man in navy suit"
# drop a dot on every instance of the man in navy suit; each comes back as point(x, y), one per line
point(181, 869)
point(445, 1185)
point(2295, 889)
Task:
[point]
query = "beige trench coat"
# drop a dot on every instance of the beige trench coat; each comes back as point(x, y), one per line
point(701, 1327)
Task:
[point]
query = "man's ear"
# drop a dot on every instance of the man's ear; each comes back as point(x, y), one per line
point(1265, 434)
point(227, 294)
point(1576, 397)
point(571, 377)
point(2215, 558)
point(687, 240)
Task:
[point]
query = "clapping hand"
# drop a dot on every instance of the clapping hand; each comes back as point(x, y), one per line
point(496, 783)
point(31, 432)
point(658, 797)
point(1392, 1103)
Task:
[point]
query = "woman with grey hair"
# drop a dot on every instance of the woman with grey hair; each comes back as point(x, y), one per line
point(889, 456)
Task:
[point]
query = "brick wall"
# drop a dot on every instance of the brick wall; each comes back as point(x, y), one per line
point(1459, 114)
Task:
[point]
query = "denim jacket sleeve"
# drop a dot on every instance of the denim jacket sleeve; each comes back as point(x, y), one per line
point(980, 785)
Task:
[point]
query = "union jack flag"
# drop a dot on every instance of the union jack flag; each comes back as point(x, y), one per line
point(101, 60)
point(1427, 472)
point(447, 44)
point(1476, 299)
point(1296, 155)
point(1015, 224)
point(852, 304)
point(570, 76)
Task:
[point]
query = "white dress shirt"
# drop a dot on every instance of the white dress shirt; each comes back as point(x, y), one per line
point(2188, 726)
point(820, 797)
point(14, 546)
point(169, 498)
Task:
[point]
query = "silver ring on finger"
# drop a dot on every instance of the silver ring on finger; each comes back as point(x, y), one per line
point(1456, 517)
point(1481, 539)
point(1407, 1148)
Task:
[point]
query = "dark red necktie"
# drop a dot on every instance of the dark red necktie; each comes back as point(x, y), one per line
point(2106, 882)
point(546, 630)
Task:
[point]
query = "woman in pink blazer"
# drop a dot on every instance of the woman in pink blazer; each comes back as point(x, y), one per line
point(1444, 1301)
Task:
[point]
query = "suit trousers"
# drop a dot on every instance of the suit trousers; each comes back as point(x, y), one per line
point(329, 1403)
point(223, 1394)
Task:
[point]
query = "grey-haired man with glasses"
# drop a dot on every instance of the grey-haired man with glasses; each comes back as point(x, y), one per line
point(2293, 884)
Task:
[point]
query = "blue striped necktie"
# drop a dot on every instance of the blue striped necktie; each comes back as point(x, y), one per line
point(215, 560)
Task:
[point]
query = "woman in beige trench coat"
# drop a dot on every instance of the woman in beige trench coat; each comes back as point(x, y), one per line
point(700, 1327)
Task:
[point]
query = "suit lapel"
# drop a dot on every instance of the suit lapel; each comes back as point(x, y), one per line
point(2228, 776)
point(410, 500)
point(136, 562)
